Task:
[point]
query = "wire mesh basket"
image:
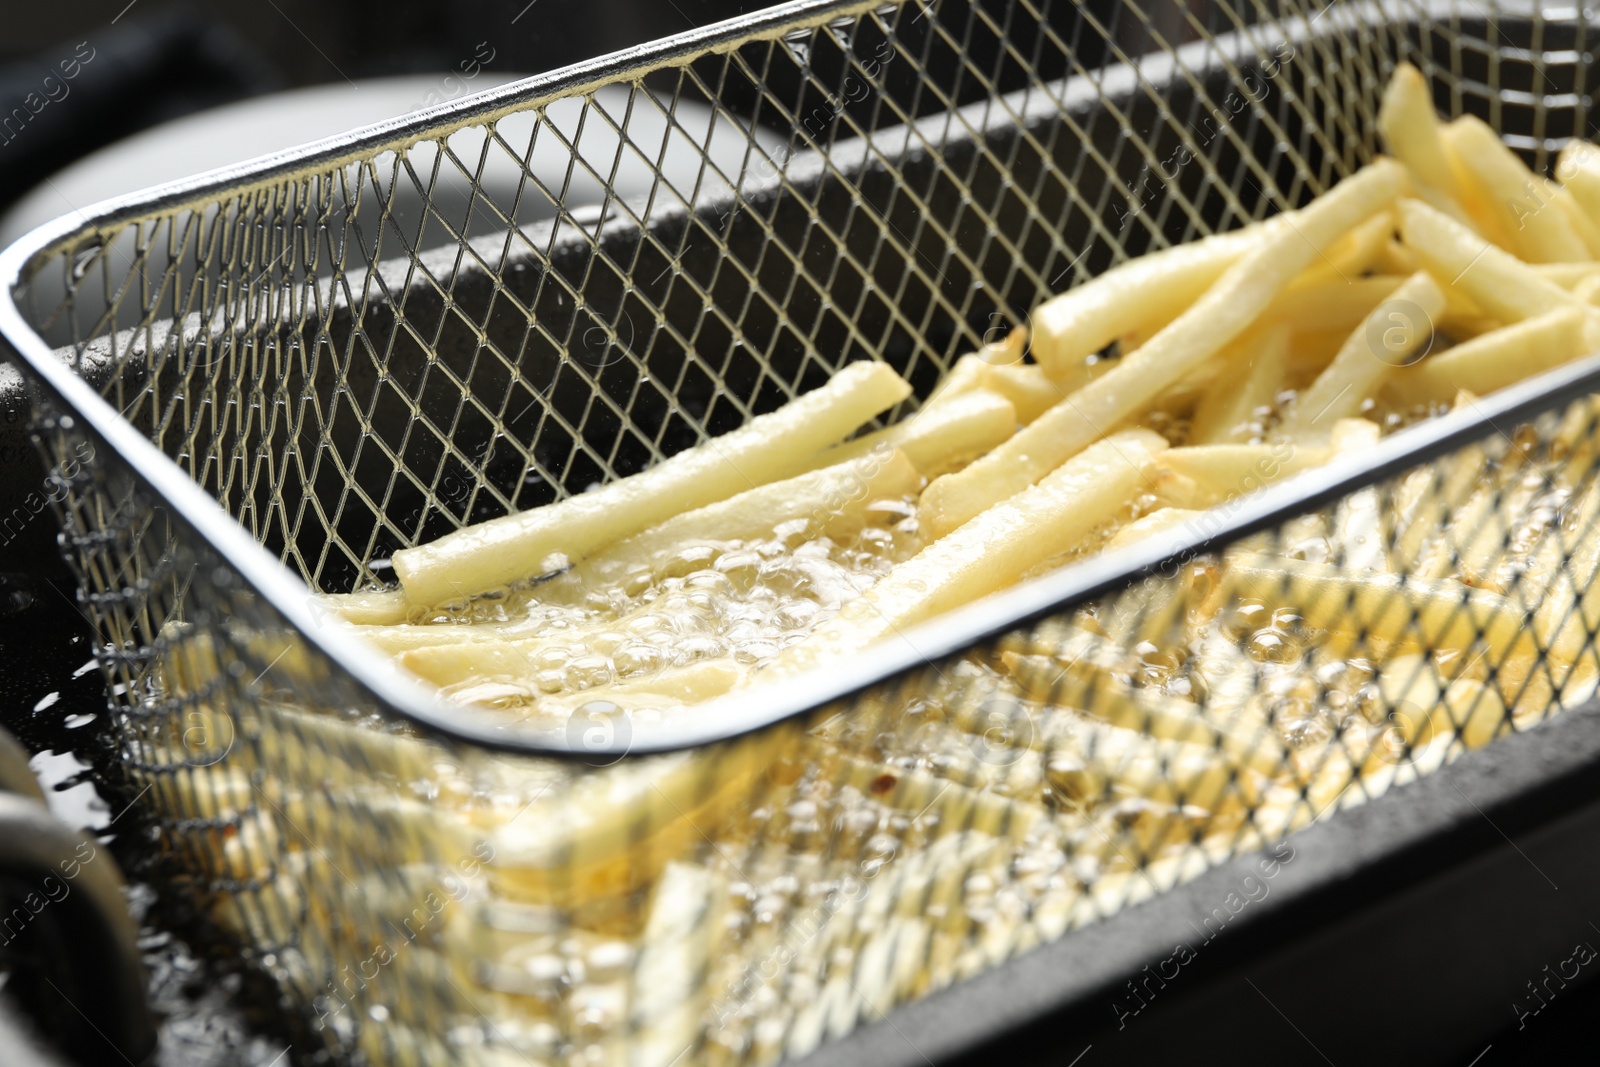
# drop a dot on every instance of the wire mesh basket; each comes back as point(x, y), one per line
point(257, 385)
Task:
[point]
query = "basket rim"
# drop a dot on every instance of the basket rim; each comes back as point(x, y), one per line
point(766, 703)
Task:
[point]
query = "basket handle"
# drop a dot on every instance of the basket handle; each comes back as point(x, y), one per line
point(65, 928)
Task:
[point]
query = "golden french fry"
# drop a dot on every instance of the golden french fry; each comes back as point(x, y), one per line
point(1389, 337)
point(940, 437)
point(1498, 282)
point(1539, 230)
point(991, 551)
point(1229, 412)
point(494, 554)
point(1227, 308)
point(1493, 360)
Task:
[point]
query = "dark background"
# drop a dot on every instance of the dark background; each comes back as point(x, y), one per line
point(159, 59)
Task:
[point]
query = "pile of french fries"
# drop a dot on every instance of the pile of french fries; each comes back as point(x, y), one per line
point(1075, 766)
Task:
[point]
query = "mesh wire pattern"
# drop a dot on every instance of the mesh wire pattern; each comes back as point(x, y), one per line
point(360, 349)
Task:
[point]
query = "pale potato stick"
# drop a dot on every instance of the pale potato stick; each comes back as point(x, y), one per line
point(1228, 412)
point(494, 554)
point(1210, 474)
point(1008, 351)
point(405, 638)
point(1077, 375)
point(991, 551)
point(382, 607)
point(501, 661)
point(1492, 361)
point(1578, 168)
point(1353, 254)
point(1032, 392)
point(1314, 306)
point(1495, 280)
point(1459, 326)
point(1158, 521)
point(612, 831)
point(1476, 537)
point(1151, 289)
point(965, 374)
point(1483, 216)
point(1567, 275)
point(1396, 258)
point(1410, 130)
point(1409, 692)
point(1226, 309)
point(1331, 305)
point(1435, 613)
point(1113, 763)
point(831, 502)
point(1472, 711)
point(1429, 494)
point(940, 437)
point(1359, 520)
point(1576, 217)
point(1388, 338)
point(1088, 687)
point(1540, 231)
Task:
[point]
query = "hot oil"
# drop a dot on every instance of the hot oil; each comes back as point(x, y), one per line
point(734, 602)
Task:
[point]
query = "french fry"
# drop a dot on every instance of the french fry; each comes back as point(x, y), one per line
point(1388, 338)
point(1539, 230)
point(965, 374)
point(1228, 307)
point(1158, 521)
point(484, 661)
point(1087, 687)
point(1396, 258)
point(991, 551)
point(1202, 476)
point(383, 607)
point(1228, 414)
point(608, 833)
point(1333, 305)
point(1147, 292)
point(1353, 254)
point(1032, 392)
point(494, 554)
point(1412, 135)
point(1114, 763)
point(1358, 530)
point(1432, 613)
point(1502, 285)
point(940, 437)
point(1492, 361)
point(1567, 275)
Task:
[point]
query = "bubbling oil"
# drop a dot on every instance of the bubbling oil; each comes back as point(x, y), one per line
point(736, 602)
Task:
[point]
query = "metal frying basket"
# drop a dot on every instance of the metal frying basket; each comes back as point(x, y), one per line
point(260, 383)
